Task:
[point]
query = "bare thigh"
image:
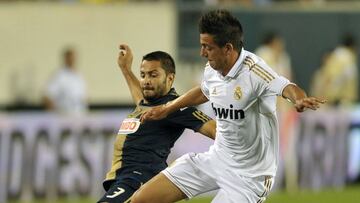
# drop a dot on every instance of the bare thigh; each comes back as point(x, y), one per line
point(159, 189)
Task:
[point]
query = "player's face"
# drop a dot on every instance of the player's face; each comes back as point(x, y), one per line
point(214, 54)
point(153, 80)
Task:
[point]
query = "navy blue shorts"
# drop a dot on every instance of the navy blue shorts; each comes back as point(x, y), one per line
point(121, 191)
point(128, 180)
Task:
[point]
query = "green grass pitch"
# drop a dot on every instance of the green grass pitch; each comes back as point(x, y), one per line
point(349, 195)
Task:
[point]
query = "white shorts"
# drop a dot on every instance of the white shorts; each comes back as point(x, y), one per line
point(195, 174)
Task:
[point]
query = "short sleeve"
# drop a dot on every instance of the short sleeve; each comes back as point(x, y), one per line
point(204, 86)
point(205, 90)
point(190, 117)
point(266, 81)
point(277, 85)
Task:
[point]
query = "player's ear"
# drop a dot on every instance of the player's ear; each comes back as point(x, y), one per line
point(228, 48)
point(171, 78)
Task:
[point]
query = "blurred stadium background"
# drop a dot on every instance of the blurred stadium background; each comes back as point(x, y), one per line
point(52, 157)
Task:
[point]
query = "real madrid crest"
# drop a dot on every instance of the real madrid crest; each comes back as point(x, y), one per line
point(237, 93)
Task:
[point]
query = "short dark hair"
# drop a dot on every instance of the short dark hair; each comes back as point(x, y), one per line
point(270, 37)
point(166, 61)
point(348, 40)
point(68, 51)
point(224, 27)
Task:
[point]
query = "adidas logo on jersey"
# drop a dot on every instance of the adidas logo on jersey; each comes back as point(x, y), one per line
point(214, 91)
point(228, 113)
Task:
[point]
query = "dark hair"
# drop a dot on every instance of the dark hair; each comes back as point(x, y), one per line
point(68, 51)
point(270, 37)
point(166, 61)
point(224, 27)
point(348, 40)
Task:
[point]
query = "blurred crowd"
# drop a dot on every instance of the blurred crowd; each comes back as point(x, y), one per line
point(66, 89)
point(337, 77)
point(335, 80)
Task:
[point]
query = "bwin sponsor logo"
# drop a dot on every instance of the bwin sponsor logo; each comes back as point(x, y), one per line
point(228, 113)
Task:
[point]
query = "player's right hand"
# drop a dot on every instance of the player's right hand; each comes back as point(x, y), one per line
point(155, 113)
point(125, 57)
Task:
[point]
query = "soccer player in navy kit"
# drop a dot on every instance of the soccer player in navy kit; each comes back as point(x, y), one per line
point(141, 153)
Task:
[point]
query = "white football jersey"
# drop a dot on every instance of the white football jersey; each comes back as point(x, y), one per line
point(244, 103)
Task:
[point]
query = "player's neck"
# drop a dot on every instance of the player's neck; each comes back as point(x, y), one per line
point(234, 56)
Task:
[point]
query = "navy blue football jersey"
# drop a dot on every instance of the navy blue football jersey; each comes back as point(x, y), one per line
point(147, 149)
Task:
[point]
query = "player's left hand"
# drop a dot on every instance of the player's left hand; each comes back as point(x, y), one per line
point(308, 103)
point(125, 57)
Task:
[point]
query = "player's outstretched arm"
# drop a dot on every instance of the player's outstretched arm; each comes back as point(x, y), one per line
point(193, 97)
point(299, 98)
point(125, 62)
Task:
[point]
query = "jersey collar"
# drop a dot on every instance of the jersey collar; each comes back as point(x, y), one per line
point(237, 66)
point(161, 100)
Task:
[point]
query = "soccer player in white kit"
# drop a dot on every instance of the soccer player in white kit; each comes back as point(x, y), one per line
point(242, 90)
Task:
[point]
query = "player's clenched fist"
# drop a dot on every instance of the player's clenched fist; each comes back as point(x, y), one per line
point(125, 57)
